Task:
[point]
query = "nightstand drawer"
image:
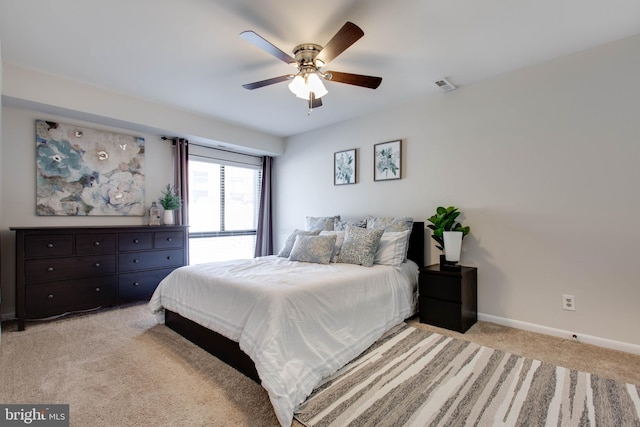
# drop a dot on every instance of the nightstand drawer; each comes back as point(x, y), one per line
point(445, 287)
point(441, 313)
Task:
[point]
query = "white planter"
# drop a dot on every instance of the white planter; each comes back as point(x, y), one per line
point(168, 218)
point(452, 245)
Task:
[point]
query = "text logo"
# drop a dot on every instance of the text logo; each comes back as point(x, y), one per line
point(34, 415)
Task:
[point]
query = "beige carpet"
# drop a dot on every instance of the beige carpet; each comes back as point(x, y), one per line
point(118, 368)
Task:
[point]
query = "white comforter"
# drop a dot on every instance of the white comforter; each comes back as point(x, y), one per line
point(299, 322)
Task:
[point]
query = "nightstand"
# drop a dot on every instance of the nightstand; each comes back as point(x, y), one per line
point(448, 299)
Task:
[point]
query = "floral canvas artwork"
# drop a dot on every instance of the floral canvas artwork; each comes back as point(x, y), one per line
point(387, 161)
point(344, 167)
point(88, 172)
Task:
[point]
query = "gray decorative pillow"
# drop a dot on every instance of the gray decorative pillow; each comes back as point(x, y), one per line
point(288, 245)
point(360, 246)
point(321, 222)
point(389, 223)
point(339, 225)
point(317, 249)
point(339, 240)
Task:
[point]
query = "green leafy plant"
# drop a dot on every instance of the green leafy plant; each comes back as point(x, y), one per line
point(169, 199)
point(445, 220)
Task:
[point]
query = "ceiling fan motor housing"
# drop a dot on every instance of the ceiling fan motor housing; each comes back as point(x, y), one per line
point(306, 53)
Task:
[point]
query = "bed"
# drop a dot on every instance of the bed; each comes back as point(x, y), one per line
point(289, 324)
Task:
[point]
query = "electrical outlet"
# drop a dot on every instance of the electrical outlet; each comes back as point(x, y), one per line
point(569, 302)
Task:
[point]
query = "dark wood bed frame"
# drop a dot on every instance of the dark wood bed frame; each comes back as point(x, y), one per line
point(229, 351)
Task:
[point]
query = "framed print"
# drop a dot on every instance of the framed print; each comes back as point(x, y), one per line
point(344, 167)
point(88, 172)
point(387, 160)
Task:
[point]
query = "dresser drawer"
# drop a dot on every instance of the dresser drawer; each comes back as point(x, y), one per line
point(48, 299)
point(87, 244)
point(135, 241)
point(41, 270)
point(45, 246)
point(140, 285)
point(135, 261)
point(169, 239)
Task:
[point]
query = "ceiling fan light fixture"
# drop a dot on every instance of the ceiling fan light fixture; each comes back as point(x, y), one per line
point(299, 87)
point(314, 83)
point(303, 84)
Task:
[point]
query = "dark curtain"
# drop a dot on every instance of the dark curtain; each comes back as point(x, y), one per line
point(181, 178)
point(264, 230)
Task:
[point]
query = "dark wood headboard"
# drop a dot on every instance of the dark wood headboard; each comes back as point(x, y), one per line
point(416, 244)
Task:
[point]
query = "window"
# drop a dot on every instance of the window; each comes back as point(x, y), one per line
point(224, 198)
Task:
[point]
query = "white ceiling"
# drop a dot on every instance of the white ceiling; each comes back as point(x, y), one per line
point(187, 53)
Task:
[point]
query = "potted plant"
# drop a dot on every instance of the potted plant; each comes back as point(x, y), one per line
point(447, 232)
point(169, 201)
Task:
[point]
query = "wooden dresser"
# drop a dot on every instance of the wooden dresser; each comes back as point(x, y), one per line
point(65, 269)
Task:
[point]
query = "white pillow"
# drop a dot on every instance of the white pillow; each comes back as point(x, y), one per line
point(339, 240)
point(392, 249)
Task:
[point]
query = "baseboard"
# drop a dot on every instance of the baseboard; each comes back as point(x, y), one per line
point(546, 330)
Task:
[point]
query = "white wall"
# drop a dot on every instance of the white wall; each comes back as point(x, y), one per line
point(543, 162)
point(25, 88)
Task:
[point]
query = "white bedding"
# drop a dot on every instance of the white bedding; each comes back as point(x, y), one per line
point(299, 322)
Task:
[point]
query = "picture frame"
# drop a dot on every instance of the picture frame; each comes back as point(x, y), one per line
point(88, 172)
point(345, 167)
point(387, 160)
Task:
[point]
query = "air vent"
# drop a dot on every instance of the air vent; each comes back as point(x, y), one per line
point(445, 85)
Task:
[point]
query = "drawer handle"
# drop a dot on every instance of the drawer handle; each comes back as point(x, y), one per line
point(49, 268)
point(135, 261)
point(50, 296)
point(50, 245)
point(97, 289)
point(169, 257)
point(169, 239)
point(97, 264)
point(136, 241)
point(96, 243)
point(136, 283)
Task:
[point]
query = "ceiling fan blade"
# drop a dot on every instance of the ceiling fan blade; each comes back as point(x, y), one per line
point(260, 42)
point(354, 79)
point(262, 83)
point(345, 37)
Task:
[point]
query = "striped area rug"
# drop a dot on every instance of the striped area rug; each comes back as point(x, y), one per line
point(412, 377)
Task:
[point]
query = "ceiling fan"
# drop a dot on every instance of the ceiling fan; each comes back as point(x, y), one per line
point(309, 58)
